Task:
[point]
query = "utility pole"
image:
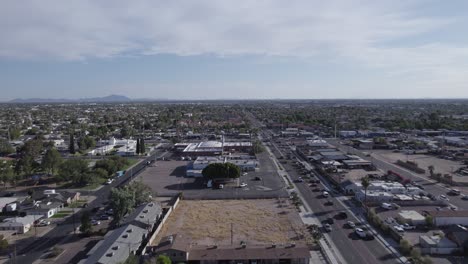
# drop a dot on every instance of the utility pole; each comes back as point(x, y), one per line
point(232, 234)
point(74, 228)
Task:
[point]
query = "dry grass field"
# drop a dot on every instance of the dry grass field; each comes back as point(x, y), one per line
point(255, 221)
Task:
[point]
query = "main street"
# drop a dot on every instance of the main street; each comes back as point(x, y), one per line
point(352, 249)
point(65, 230)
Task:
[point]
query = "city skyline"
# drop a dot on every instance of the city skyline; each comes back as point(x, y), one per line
point(246, 50)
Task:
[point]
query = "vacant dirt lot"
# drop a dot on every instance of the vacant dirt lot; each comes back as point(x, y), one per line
point(441, 165)
point(256, 221)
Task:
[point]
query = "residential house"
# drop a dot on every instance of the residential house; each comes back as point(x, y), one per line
point(19, 225)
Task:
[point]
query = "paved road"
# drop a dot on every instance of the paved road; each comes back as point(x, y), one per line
point(352, 249)
point(36, 249)
point(429, 185)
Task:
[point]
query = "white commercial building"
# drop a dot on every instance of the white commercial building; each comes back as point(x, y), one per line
point(123, 147)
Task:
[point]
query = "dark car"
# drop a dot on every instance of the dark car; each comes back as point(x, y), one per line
point(329, 220)
point(104, 217)
point(342, 215)
point(329, 202)
point(85, 205)
point(257, 178)
point(369, 236)
point(9, 194)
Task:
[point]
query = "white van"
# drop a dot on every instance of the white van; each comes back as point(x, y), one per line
point(386, 206)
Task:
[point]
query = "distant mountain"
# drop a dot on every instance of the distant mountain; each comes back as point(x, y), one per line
point(110, 98)
point(107, 99)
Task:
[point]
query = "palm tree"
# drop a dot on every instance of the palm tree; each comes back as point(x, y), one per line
point(365, 184)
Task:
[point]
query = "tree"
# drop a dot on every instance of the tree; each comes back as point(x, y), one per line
point(86, 142)
point(405, 246)
point(14, 133)
point(257, 147)
point(221, 171)
point(121, 202)
point(51, 161)
point(163, 259)
point(426, 260)
point(6, 172)
point(429, 220)
point(112, 165)
point(71, 147)
point(415, 253)
point(142, 146)
point(5, 147)
point(132, 259)
point(75, 170)
point(3, 243)
point(431, 170)
point(86, 226)
point(138, 146)
point(365, 184)
point(141, 192)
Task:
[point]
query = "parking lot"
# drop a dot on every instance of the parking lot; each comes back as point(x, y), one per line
point(167, 178)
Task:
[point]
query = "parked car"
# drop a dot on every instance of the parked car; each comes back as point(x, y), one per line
point(351, 224)
point(257, 179)
point(399, 228)
point(104, 217)
point(454, 192)
point(342, 215)
point(327, 227)
point(325, 194)
point(243, 184)
point(95, 222)
point(329, 220)
point(408, 226)
point(361, 233)
point(43, 223)
point(464, 197)
point(443, 197)
point(221, 186)
point(329, 202)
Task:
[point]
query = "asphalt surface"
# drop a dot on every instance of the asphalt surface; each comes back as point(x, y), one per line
point(429, 186)
point(353, 249)
point(35, 250)
point(167, 178)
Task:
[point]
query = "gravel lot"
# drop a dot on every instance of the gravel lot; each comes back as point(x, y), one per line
point(257, 221)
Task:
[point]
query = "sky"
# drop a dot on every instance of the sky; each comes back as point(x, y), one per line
point(242, 49)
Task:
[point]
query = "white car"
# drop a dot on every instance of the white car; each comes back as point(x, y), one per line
point(109, 181)
point(243, 185)
point(360, 232)
point(325, 194)
point(351, 224)
point(221, 186)
point(408, 226)
point(399, 228)
point(443, 197)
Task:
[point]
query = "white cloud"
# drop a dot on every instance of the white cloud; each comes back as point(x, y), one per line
point(361, 30)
